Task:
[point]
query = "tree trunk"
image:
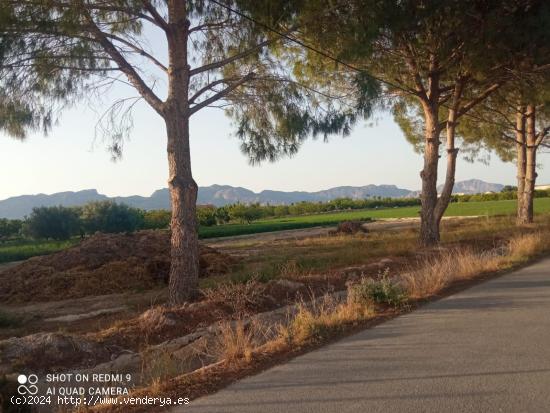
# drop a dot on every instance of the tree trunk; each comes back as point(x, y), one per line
point(184, 247)
point(429, 224)
point(530, 166)
point(452, 153)
point(521, 166)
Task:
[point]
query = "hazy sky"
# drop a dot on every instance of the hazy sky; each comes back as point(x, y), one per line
point(69, 159)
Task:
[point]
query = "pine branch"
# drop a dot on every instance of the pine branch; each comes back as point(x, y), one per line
point(221, 94)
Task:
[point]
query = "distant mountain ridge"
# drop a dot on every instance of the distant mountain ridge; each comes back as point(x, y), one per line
point(218, 195)
point(474, 186)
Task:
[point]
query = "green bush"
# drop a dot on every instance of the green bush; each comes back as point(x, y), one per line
point(156, 219)
point(222, 215)
point(59, 223)
point(10, 228)
point(206, 215)
point(246, 213)
point(108, 216)
point(381, 291)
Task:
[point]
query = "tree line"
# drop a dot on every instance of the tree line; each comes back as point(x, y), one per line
point(60, 223)
point(458, 77)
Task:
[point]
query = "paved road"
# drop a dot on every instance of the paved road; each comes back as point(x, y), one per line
point(486, 349)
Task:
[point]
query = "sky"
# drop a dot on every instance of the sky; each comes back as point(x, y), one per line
point(71, 158)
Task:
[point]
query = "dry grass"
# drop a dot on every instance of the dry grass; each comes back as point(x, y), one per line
point(236, 341)
point(312, 321)
point(329, 240)
point(240, 297)
point(436, 273)
point(523, 247)
point(316, 322)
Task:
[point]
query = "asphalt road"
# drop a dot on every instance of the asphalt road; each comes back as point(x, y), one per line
point(486, 349)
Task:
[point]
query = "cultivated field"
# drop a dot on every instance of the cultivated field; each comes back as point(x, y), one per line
point(485, 208)
point(23, 249)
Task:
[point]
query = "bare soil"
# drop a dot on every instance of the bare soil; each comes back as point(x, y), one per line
point(101, 264)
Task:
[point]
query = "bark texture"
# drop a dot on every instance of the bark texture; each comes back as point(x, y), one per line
point(429, 224)
point(520, 159)
point(184, 248)
point(452, 152)
point(526, 216)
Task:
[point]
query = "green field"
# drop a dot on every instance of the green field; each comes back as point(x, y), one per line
point(486, 208)
point(23, 249)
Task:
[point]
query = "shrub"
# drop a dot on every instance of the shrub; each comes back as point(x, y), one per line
point(381, 291)
point(156, 219)
point(110, 217)
point(206, 215)
point(10, 228)
point(245, 213)
point(240, 297)
point(59, 223)
point(222, 215)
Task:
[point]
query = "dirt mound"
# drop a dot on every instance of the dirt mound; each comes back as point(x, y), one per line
point(101, 264)
point(349, 227)
point(49, 351)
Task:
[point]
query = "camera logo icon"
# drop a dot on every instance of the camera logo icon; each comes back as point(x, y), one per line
point(27, 384)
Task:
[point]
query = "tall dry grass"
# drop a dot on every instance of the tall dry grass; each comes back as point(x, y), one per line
point(436, 273)
point(523, 247)
point(317, 321)
point(236, 341)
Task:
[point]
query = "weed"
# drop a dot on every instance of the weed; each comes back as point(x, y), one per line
point(384, 290)
point(242, 298)
point(319, 319)
point(236, 341)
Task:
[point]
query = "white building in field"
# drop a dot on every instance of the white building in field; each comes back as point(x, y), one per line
point(542, 187)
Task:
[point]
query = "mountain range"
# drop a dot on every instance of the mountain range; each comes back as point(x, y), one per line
point(218, 195)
